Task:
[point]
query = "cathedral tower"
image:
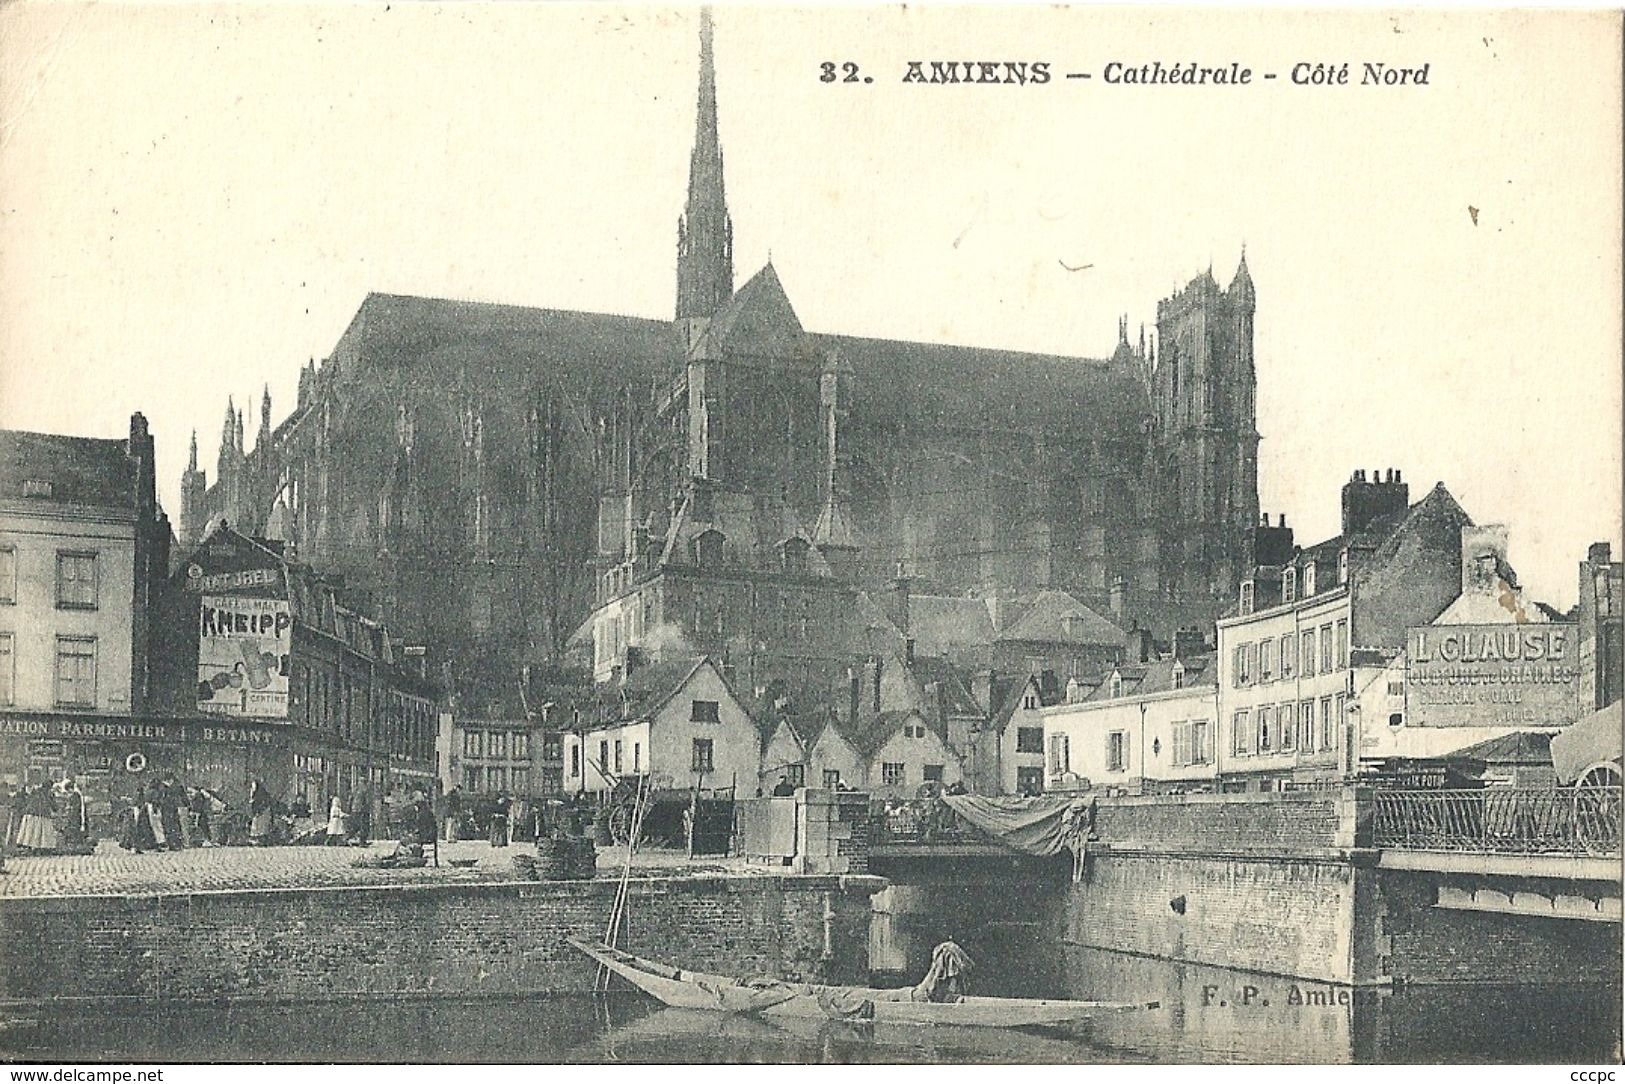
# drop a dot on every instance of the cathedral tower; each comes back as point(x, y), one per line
point(705, 275)
point(1207, 435)
point(193, 485)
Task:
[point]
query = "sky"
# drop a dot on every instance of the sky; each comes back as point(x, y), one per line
point(195, 199)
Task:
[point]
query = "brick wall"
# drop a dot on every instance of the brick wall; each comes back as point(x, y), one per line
point(1435, 945)
point(414, 940)
point(1289, 821)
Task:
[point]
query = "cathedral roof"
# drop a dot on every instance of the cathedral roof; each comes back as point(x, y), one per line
point(964, 387)
point(928, 385)
point(394, 330)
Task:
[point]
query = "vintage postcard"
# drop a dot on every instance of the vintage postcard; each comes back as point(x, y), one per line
point(603, 534)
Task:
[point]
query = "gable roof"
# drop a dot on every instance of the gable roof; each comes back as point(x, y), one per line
point(876, 730)
point(953, 694)
point(80, 470)
point(939, 624)
point(1007, 694)
point(757, 320)
point(1057, 617)
point(648, 689)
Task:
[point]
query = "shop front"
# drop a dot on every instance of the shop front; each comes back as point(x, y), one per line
point(110, 758)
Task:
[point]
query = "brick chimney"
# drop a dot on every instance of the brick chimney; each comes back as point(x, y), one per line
point(897, 601)
point(981, 689)
point(1189, 642)
point(1272, 545)
point(1483, 550)
point(1365, 501)
point(1119, 597)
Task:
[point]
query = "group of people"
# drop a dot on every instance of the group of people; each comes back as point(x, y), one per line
point(498, 818)
point(168, 816)
point(47, 818)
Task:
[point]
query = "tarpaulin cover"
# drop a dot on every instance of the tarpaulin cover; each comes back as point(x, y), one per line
point(1041, 826)
point(1591, 741)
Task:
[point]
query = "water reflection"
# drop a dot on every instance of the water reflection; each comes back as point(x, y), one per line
point(1018, 942)
point(1445, 1024)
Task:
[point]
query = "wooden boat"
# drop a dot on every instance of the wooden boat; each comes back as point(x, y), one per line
point(684, 989)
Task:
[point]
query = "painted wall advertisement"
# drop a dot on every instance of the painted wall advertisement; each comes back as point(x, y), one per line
point(242, 656)
point(1492, 675)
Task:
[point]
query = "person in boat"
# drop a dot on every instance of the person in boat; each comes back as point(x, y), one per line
point(948, 978)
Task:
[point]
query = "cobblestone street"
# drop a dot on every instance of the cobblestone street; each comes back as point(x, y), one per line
point(113, 871)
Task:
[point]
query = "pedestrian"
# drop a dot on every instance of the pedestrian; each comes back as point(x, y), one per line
point(38, 831)
point(5, 824)
point(153, 818)
point(424, 825)
point(259, 814)
point(75, 823)
point(361, 819)
point(452, 811)
point(134, 833)
point(335, 823)
point(498, 833)
point(168, 802)
point(203, 808)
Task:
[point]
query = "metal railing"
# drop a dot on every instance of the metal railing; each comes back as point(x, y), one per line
point(1500, 820)
point(919, 820)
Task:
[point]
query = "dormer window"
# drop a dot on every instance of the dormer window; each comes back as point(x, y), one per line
point(708, 549)
point(1071, 626)
point(1289, 584)
point(1308, 579)
point(794, 551)
point(1179, 675)
point(1116, 685)
point(1343, 567)
point(1246, 596)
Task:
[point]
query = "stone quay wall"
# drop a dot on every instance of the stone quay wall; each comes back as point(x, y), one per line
point(1257, 882)
point(422, 940)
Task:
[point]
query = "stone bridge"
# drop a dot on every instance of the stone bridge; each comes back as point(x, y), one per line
point(1342, 884)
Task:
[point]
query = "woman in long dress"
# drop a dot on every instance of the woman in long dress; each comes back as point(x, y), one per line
point(259, 814)
point(38, 832)
point(75, 821)
point(335, 823)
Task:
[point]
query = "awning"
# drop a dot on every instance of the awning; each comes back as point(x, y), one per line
point(1591, 741)
point(1041, 826)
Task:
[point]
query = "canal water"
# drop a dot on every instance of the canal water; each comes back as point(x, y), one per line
point(1206, 1015)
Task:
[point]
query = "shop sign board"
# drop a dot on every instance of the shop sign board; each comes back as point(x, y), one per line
point(243, 653)
point(1492, 675)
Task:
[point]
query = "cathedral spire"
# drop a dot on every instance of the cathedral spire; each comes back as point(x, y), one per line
point(704, 232)
point(192, 465)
